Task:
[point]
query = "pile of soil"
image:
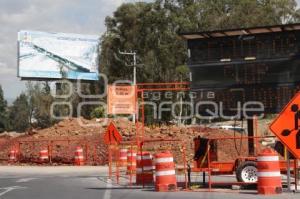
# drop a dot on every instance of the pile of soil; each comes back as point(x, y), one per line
point(90, 133)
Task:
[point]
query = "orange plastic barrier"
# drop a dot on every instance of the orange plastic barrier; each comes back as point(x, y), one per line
point(79, 158)
point(13, 155)
point(144, 170)
point(269, 177)
point(131, 161)
point(165, 176)
point(44, 155)
point(123, 157)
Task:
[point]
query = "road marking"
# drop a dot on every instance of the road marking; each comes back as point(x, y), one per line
point(8, 189)
point(107, 193)
point(25, 179)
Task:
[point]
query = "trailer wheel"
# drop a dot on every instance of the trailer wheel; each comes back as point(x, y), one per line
point(247, 172)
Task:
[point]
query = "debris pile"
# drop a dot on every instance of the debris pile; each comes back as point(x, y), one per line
point(69, 133)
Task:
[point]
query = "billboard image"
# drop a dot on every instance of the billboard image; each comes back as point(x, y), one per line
point(44, 55)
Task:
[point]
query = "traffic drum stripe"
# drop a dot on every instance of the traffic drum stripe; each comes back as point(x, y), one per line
point(164, 160)
point(165, 173)
point(131, 154)
point(79, 157)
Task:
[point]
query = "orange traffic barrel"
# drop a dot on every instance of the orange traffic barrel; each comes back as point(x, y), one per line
point(79, 159)
point(123, 157)
point(44, 155)
point(144, 168)
point(269, 177)
point(13, 155)
point(131, 161)
point(165, 176)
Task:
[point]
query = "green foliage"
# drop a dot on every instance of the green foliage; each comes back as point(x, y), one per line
point(98, 112)
point(182, 71)
point(151, 29)
point(19, 114)
point(203, 15)
point(3, 112)
point(145, 28)
point(40, 101)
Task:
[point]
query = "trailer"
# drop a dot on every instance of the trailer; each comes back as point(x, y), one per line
point(243, 167)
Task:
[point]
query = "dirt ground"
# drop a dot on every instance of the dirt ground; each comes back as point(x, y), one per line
point(67, 134)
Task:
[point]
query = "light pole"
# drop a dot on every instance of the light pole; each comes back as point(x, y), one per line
point(134, 73)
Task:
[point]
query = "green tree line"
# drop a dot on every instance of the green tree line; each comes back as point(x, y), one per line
point(151, 30)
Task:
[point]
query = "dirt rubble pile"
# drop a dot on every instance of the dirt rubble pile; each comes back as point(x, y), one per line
point(227, 149)
point(72, 132)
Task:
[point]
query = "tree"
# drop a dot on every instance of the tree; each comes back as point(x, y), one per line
point(40, 101)
point(151, 29)
point(19, 114)
point(204, 15)
point(3, 112)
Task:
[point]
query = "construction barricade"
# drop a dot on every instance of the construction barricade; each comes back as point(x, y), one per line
point(131, 161)
point(44, 155)
point(269, 177)
point(123, 157)
point(165, 175)
point(170, 165)
point(141, 164)
point(13, 155)
point(225, 161)
point(144, 170)
point(57, 152)
point(79, 158)
point(123, 162)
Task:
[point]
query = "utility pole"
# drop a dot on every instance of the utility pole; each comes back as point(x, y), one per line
point(134, 73)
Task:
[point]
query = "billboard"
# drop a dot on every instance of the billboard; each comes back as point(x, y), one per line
point(45, 55)
point(121, 99)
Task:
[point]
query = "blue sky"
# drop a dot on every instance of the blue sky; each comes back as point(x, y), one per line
point(73, 16)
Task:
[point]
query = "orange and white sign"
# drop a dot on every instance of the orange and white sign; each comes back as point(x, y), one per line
point(286, 126)
point(121, 99)
point(112, 135)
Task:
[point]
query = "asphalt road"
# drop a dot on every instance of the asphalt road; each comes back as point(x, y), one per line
point(89, 183)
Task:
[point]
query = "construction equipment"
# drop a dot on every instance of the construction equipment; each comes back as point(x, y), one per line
point(244, 167)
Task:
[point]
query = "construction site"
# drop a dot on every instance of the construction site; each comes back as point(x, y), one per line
point(214, 114)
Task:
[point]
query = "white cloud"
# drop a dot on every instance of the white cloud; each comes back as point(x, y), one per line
point(74, 16)
point(2, 64)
